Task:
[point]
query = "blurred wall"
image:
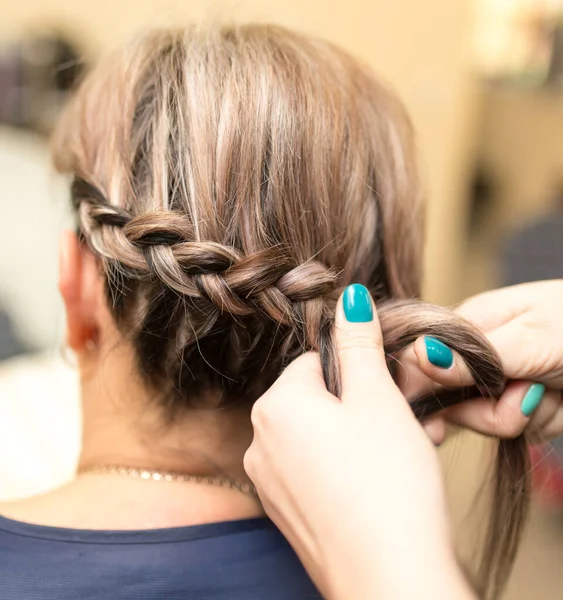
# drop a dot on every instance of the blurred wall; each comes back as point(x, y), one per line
point(417, 46)
point(521, 146)
point(34, 209)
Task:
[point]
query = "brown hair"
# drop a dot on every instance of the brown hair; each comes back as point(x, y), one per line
point(232, 180)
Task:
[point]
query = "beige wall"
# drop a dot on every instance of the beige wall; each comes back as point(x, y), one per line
point(521, 144)
point(417, 46)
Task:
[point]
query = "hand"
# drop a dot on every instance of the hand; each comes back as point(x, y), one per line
point(524, 324)
point(354, 484)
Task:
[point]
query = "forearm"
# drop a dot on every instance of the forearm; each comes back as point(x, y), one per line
point(444, 581)
point(409, 574)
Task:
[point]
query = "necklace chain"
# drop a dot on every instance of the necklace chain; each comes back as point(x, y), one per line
point(151, 475)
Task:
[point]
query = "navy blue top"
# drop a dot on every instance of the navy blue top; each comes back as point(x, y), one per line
point(232, 560)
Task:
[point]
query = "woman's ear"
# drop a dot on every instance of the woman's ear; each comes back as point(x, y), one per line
point(80, 290)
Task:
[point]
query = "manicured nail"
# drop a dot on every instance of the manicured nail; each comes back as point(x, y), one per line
point(532, 399)
point(357, 304)
point(438, 353)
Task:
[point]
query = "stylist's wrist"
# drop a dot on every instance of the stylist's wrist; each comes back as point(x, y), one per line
point(402, 569)
point(428, 575)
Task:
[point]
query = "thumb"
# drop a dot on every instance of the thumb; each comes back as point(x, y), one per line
point(359, 344)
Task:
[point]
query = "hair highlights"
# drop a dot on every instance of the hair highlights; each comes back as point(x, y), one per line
point(232, 181)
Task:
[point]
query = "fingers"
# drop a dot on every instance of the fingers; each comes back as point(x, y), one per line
point(551, 429)
point(530, 350)
point(455, 375)
point(493, 309)
point(301, 387)
point(301, 382)
point(435, 429)
point(546, 421)
point(508, 417)
point(359, 345)
point(508, 341)
point(304, 369)
point(420, 370)
point(417, 375)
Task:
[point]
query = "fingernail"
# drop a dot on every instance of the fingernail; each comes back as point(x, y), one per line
point(438, 353)
point(357, 304)
point(532, 399)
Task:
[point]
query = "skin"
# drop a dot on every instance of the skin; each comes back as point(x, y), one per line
point(389, 484)
point(524, 325)
point(379, 529)
point(122, 425)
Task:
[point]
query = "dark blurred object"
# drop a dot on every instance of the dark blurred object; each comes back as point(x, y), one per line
point(10, 345)
point(535, 252)
point(482, 191)
point(555, 73)
point(36, 76)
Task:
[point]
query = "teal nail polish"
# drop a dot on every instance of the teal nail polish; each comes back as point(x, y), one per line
point(357, 304)
point(532, 399)
point(438, 353)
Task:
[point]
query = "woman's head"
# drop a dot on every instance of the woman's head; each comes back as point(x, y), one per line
point(231, 181)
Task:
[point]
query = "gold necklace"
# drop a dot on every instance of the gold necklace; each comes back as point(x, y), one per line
point(150, 475)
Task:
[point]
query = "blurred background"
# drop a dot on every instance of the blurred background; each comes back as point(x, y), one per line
point(483, 81)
